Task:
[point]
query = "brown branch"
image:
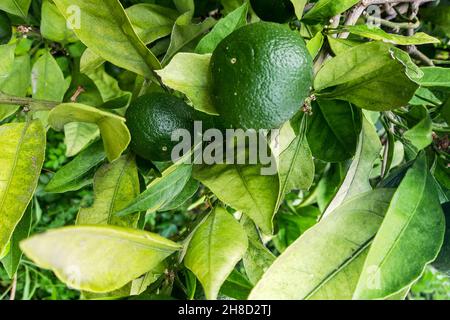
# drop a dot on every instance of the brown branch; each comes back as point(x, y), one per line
point(12, 296)
point(77, 93)
point(415, 53)
point(359, 9)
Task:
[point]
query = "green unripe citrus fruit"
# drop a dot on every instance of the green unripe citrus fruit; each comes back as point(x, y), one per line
point(151, 119)
point(273, 10)
point(261, 75)
point(5, 28)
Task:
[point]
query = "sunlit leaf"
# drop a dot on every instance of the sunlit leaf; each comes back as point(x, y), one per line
point(21, 160)
point(215, 248)
point(113, 130)
point(98, 258)
point(409, 238)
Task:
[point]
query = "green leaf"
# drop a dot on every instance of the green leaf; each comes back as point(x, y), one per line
point(48, 81)
point(446, 111)
point(334, 129)
point(215, 248)
point(325, 9)
point(377, 33)
point(115, 185)
point(236, 286)
point(257, 258)
point(439, 16)
point(357, 179)
point(113, 130)
point(16, 84)
point(293, 224)
point(105, 28)
point(373, 76)
point(184, 6)
point(76, 169)
point(409, 238)
point(184, 33)
point(16, 7)
point(21, 160)
point(339, 46)
point(112, 95)
point(325, 262)
point(160, 191)
point(6, 61)
point(421, 134)
point(299, 6)
point(98, 258)
point(329, 184)
point(222, 29)
point(133, 288)
point(12, 260)
point(442, 262)
point(150, 22)
point(435, 77)
point(425, 97)
point(246, 190)
point(295, 163)
point(189, 74)
point(53, 24)
point(315, 44)
point(77, 135)
point(189, 190)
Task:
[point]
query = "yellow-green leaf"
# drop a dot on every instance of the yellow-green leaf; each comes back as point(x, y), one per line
point(151, 22)
point(21, 160)
point(77, 135)
point(357, 178)
point(326, 261)
point(299, 6)
point(160, 191)
point(16, 84)
point(104, 27)
point(98, 258)
point(113, 130)
point(16, 7)
point(244, 188)
point(215, 248)
point(6, 61)
point(189, 74)
point(409, 238)
point(47, 79)
point(115, 185)
point(376, 33)
point(53, 24)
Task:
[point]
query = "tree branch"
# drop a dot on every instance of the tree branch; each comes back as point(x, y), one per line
point(33, 104)
point(12, 296)
point(358, 10)
point(413, 51)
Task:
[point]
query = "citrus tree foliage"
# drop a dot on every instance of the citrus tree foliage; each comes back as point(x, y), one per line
point(357, 205)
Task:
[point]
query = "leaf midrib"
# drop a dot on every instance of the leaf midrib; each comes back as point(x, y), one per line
point(343, 265)
point(149, 246)
point(247, 189)
point(112, 204)
point(139, 45)
point(19, 8)
point(402, 231)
